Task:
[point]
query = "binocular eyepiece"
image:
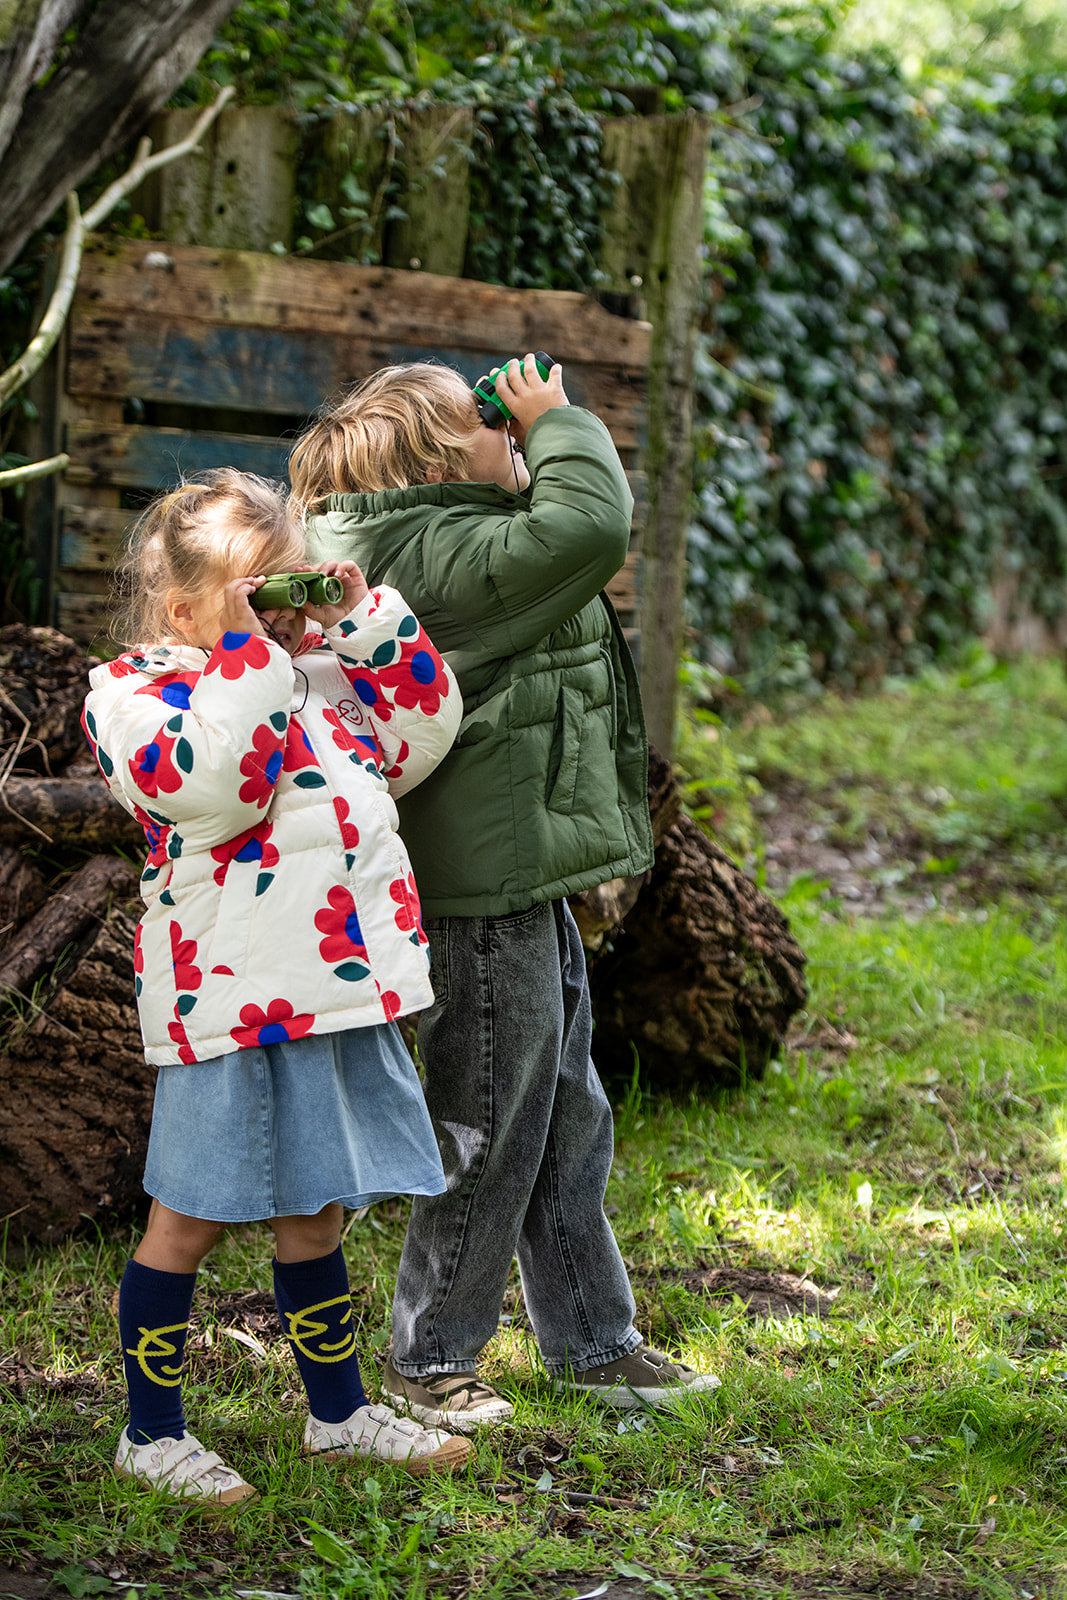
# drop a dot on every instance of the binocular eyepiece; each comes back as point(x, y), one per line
point(297, 589)
point(492, 410)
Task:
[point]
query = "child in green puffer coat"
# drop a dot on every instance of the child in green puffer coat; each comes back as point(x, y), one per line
point(503, 557)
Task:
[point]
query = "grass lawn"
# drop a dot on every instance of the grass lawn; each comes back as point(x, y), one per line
point(867, 1245)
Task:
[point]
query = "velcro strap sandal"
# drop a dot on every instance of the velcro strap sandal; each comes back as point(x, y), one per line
point(182, 1468)
point(378, 1432)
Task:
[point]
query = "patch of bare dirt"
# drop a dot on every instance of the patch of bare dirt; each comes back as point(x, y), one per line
point(870, 875)
point(764, 1294)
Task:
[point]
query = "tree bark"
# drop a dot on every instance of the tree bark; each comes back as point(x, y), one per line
point(43, 684)
point(81, 902)
point(701, 979)
point(76, 1094)
point(74, 813)
point(124, 63)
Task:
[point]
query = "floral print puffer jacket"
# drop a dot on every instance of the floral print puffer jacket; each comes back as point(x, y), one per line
point(279, 897)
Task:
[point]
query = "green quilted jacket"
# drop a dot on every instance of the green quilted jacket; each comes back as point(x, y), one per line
point(544, 792)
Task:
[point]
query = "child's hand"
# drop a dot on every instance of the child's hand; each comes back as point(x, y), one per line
point(236, 614)
point(527, 395)
point(356, 589)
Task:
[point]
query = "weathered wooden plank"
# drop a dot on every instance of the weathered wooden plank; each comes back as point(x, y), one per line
point(239, 188)
point(417, 310)
point(158, 458)
point(83, 617)
point(655, 238)
point(283, 372)
point(91, 537)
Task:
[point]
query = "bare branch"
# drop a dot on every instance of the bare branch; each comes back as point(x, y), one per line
point(78, 226)
point(143, 163)
point(33, 469)
point(36, 352)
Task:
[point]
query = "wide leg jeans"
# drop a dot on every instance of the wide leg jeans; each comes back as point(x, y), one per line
point(526, 1139)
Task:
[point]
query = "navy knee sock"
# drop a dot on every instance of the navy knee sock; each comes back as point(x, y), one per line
point(153, 1322)
point(316, 1316)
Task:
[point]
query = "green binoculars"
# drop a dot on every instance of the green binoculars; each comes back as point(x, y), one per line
point(492, 410)
point(297, 589)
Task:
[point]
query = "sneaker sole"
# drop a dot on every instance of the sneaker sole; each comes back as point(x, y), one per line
point(202, 1502)
point(453, 1421)
point(451, 1455)
point(627, 1399)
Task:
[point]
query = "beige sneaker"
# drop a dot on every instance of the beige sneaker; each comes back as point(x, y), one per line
point(458, 1400)
point(182, 1468)
point(645, 1377)
point(377, 1431)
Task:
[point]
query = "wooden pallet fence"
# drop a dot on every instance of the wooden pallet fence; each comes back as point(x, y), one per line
point(179, 358)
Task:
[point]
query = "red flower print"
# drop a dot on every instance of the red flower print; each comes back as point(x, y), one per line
point(174, 690)
point(310, 641)
point(340, 924)
point(254, 845)
point(262, 765)
point(417, 679)
point(187, 974)
point(343, 737)
point(152, 768)
point(408, 919)
point(364, 682)
point(402, 754)
point(298, 751)
point(278, 1023)
point(156, 834)
point(236, 652)
point(176, 1029)
point(390, 1003)
point(349, 831)
point(121, 668)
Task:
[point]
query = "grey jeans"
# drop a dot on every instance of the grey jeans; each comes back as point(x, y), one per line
point(526, 1138)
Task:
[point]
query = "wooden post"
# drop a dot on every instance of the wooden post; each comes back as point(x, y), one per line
point(653, 247)
point(237, 192)
point(434, 157)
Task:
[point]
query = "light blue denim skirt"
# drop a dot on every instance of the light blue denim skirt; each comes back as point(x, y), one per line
point(281, 1130)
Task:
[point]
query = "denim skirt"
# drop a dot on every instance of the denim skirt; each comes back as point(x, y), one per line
point(283, 1129)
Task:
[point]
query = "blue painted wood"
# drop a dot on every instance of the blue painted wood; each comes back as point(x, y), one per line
point(287, 371)
point(159, 458)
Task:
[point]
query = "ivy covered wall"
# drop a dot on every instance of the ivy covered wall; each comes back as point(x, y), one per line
point(884, 371)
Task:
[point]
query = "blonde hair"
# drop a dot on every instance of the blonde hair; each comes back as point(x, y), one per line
point(390, 432)
point(192, 540)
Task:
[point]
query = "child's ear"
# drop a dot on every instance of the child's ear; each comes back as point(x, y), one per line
point(179, 614)
point(435, 475)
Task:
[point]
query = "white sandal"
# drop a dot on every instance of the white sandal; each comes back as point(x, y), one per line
point(183, 1468)
point(378, 1431)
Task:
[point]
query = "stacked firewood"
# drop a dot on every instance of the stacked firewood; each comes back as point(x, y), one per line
point(692, 967)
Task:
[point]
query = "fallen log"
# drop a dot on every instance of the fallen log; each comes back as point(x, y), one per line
point(43, 682)
point(22, 890)
point(75, 1091)
point(703, 976)
point(81, 901)
point(73, 812)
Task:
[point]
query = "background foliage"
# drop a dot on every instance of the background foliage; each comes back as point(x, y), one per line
point(882, 374)
point(881, 378)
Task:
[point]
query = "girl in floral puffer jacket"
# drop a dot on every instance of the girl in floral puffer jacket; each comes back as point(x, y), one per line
point(261, 750)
